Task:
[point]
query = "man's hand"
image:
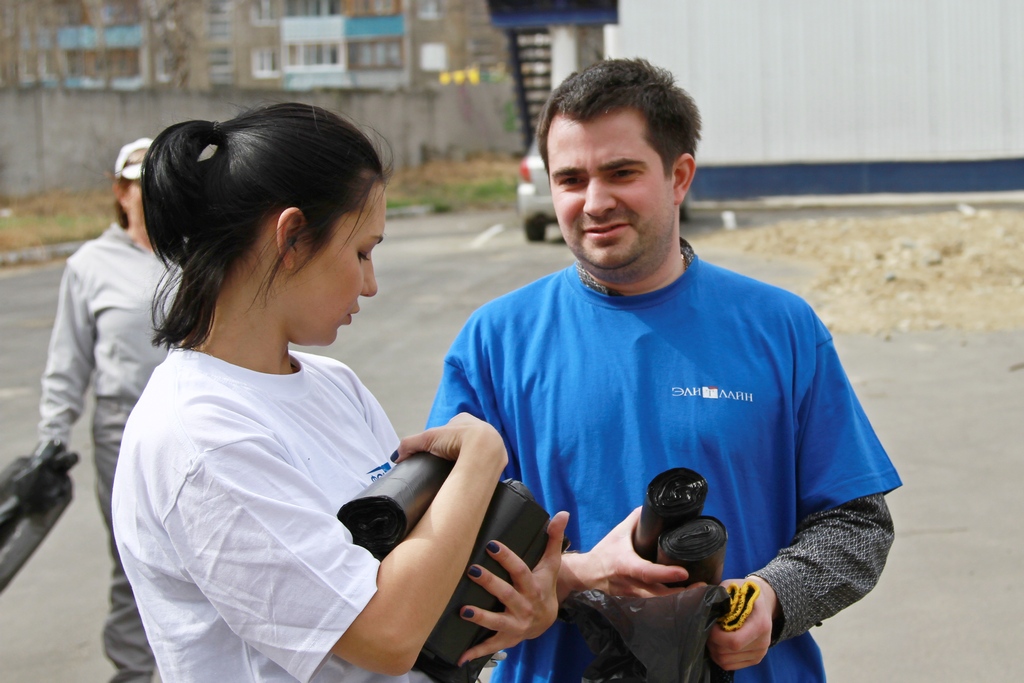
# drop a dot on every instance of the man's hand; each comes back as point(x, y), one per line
point(531, 605)
point(613, 567)
point(748, 645)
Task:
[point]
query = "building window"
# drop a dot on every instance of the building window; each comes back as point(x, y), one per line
point(428, 9)
point(221, 71)
point(264, 12)
point(161, 67)
point(433, 57)
point(120, 12)
point(314, 54)
point(312, 8)
point(47, 66)
point(123, 63)
point(385, 53)
point(265, 63)
point(26, 69)
point(218, 21)
point(69, 15)
point(81, 63)
point(374, 8)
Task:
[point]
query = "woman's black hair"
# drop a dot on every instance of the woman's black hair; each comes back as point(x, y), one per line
point(208, 187)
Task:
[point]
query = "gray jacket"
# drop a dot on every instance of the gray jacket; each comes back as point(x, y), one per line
point(103, 331)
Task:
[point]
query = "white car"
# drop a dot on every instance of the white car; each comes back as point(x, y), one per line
point(533, 197)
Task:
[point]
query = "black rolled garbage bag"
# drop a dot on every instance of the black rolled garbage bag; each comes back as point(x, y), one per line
point(652, 640)
point(387, 510)
point(698, 546)
point(515, 519)
point(382, 515)
point(672, 498)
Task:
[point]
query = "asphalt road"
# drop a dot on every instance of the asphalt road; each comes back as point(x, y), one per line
point(947, 405)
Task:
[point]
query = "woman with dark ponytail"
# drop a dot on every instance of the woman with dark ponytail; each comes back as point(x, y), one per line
point(240, 452)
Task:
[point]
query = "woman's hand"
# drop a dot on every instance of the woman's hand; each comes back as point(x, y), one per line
point(463, 434)
point(531, 603)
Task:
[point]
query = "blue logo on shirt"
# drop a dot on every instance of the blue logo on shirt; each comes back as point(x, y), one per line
point(378, 472)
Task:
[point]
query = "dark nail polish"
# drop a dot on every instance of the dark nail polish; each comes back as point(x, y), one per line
point(394, 456)
point(492, 546)
point(468, 613)
point(474, 571)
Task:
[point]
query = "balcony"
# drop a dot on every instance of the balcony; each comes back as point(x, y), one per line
point(375, 27)
point(312, 29)
point(84, 37)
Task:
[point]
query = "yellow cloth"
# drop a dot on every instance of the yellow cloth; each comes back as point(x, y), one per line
point(742, 604)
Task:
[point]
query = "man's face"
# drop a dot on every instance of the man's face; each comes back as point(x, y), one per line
point(616, 206)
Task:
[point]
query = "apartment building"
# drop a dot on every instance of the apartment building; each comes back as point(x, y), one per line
point(249, 44)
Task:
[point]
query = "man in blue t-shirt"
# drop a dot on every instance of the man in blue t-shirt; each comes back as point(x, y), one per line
point(642, 357)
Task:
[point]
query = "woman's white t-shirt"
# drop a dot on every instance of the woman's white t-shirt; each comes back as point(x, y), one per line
point(225, 502)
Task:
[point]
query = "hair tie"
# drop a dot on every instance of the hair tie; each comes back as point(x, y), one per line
point(219, 137)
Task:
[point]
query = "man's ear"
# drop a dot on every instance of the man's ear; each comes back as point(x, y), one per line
point(683, 171)
point(289, 224)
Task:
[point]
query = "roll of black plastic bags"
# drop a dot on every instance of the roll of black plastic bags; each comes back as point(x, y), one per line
point(698, 546)
point(672, 498)
point(385, 512)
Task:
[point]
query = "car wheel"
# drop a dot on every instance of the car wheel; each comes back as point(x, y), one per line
point(535, 227)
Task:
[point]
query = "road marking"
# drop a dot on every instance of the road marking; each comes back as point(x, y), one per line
point(486, 236)
point(14, 392)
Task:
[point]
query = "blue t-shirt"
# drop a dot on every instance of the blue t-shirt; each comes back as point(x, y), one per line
point(595, 395)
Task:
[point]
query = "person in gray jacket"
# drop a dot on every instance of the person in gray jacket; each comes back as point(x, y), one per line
point(102, 335)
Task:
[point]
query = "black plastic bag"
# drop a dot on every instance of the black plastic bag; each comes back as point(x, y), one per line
point(672, 531)
point(648, 640)
point(387, 510)
point(34, 491)
point(381, 516)
point(672, 498)
point(698, 545)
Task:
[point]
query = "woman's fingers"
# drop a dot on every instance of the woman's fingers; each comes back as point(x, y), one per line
point(528, 597)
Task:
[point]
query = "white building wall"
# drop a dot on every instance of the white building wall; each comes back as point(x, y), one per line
point(841, 80)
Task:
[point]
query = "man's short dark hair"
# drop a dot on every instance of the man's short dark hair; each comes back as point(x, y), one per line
point(673, 122)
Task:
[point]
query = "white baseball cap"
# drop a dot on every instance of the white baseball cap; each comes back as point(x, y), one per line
point(122, 169)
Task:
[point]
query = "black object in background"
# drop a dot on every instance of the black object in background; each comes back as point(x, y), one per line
point(673, 497)
point(381, 516)
point(34, 491)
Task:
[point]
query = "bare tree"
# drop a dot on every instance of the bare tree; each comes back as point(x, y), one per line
point(175, 25)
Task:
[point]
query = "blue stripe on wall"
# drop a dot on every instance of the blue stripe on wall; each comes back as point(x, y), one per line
point(371, 27)
point(745, 182)
point(546, 18)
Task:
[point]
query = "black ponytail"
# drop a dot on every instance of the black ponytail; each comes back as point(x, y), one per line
point(207, 188)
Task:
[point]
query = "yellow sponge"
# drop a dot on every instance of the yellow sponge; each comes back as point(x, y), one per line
point(742, 604)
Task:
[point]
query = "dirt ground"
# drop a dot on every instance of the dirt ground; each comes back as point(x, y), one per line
point(961, 270)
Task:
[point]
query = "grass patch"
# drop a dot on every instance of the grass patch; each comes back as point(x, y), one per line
point(54, 217)
point(482, 182)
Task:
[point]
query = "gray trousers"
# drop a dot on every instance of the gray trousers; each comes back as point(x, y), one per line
point(124, 639)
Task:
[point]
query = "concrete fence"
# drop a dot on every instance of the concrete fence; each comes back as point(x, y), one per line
point(60, 139)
